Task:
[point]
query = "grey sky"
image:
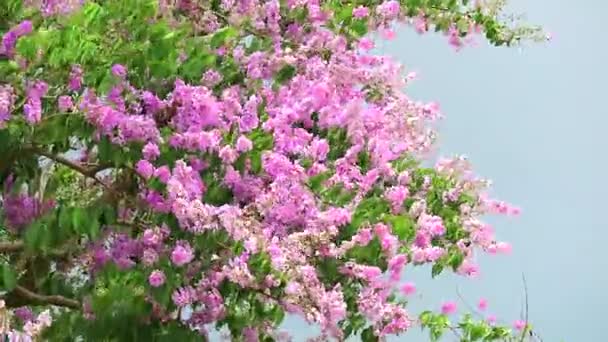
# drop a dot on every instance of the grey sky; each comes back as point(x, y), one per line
point(533, 122)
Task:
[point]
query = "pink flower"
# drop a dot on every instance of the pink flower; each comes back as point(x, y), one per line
point(157, 278)
point(183, 296)
point(250, 334)
point(365, 44)
point(119, 70)
point(163, 173)
point(75, 82)
point(434, 253)
point(483, 304)
point(151, 151)
point(360, 12)
point(363, 237)
point(491, 319)
point(24, 28)
point(144, 168)
point(65, 103)
point(388, 34)
point(319, 149)
point(408, 288)
point(389, 9)
point(519, 325)
point(243, 144)
point(228, 154)
point(503, 247)
point(433, 224)
point(454, 38)
point(420, 24)
point(395, 266)
point(448, 308)
point(370, 273)
point(418, 255)
point(182, 254)
point(397, 195)
point(149, 257)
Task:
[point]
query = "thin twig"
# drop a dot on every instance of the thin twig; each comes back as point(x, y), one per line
point(469, 306)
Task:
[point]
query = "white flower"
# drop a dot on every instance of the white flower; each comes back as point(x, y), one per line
point(44, 318)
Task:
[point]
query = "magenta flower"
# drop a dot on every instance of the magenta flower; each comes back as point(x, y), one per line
point(75, 81)
point(448, 308)
point(163, 173)
point(23, 28)
point(119, 71)
point(157, 278)
point(503, 247)
point(151, 151)
point(183, 296)
point(360, 12)
point(149, 257)
point(365, 44)
point(182, 254)
point(395, 266)
point(7, 99)
point(408, 288)
point(482, 304)
point(144, 168)
point(65, 103)
point(24, 314)
point(243, 144)
point(389, 9)
point(519, 325)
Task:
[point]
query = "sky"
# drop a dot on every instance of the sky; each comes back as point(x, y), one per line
point(532, 120)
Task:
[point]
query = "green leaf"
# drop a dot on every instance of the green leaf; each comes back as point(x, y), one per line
point(367, 335)
point(222, 35)
point(478, 331)
point(278, 315)
point(456, 260)
point(437, 269)
point(426, 318)
point(403, 226)
point(359, 28)
point(79, 218)
point(36, 235)
point(9, 278)
point(315, 182)
point(285, 74)
point(65, 219)
point(345, 13)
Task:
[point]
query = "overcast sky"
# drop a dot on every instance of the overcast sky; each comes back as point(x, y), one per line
point(534, 121)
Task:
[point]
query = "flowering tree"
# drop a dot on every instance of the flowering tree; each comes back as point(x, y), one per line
point(168, 167)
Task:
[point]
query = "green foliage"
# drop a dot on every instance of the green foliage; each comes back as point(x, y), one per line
point(437, 324)
point(9, 277)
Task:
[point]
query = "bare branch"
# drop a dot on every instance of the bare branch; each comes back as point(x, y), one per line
point(36, 298)
point(11, 247)
point(89, 172)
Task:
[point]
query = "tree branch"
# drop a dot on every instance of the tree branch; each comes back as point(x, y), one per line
point(46, 300)
point(11, 247)
point(87, 172)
